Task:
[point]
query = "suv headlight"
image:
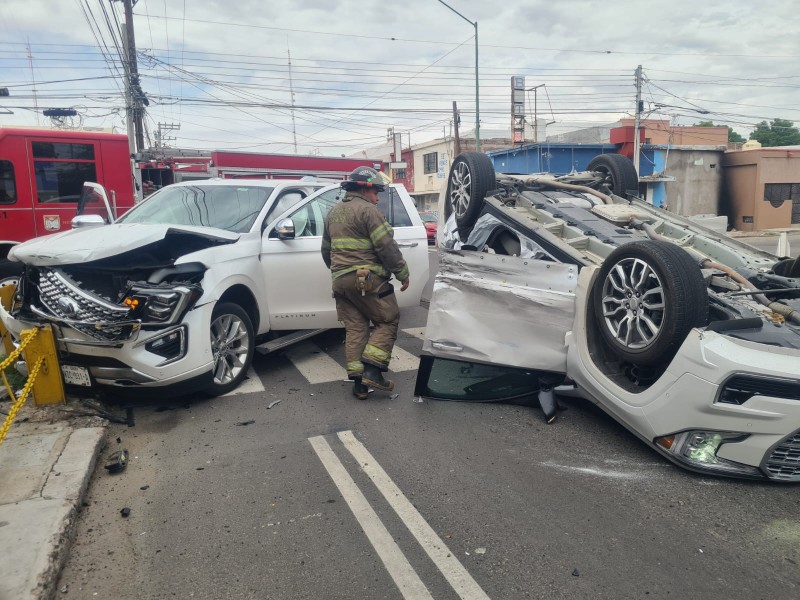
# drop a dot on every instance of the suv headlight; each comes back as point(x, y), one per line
point(160, 305)
point(698, 449)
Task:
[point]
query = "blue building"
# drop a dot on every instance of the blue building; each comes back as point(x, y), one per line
point(562, 158)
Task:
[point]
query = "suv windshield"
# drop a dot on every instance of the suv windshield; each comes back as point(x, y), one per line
point(229, 207)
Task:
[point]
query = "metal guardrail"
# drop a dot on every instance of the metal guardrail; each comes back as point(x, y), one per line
point(37, 347)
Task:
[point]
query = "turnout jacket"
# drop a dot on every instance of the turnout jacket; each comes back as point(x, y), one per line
point(358, 236)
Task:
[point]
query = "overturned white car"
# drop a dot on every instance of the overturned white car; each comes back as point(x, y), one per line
point(178, 293)
point(553, 285)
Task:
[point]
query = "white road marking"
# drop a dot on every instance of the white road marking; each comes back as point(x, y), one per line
point(403, 361)
point(417, 332)
point(315, 364)
point(401, 571)
point(455, 573)
point(251, 385)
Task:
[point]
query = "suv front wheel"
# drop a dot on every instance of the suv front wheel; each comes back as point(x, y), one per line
point(232, 345)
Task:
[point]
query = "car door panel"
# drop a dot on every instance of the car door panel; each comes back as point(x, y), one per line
point(411, 237)
point(298, 283)
point(501, 310)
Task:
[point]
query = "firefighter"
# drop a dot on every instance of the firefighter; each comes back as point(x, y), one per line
point(358, 247)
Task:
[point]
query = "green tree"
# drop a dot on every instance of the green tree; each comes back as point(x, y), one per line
point(732, 135)
point(779, 132)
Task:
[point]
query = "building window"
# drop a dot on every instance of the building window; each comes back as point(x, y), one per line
point(61, 170)
point(430, 163)
point(8, 187)
point(399, 173)
point(778, 193)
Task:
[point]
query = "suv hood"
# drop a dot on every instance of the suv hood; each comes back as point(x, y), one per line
point(95, 243)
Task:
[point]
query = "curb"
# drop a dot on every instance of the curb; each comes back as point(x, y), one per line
point(41, 528)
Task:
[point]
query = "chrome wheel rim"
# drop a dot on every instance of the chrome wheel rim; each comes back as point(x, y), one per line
point(460, 188)
point(633, 303)
point(230, 346)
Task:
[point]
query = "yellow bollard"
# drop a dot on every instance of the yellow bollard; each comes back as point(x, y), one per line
point(6, 293)
point(48, 387)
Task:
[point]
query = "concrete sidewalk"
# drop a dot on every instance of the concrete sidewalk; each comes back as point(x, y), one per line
point(45, 469)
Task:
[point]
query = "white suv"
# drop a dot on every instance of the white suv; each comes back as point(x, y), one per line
point(179, 292)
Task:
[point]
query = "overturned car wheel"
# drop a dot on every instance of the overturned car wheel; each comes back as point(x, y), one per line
point(647, 297)
point(471, 176)
point(618, 171)
point(231, 347)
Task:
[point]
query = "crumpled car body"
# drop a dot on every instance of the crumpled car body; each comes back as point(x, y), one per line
point(688, 338)
point(177, 294)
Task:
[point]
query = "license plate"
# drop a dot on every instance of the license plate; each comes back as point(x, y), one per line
point(76, 375)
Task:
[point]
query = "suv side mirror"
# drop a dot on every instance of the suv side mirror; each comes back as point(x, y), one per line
point(285, 229)
point(87, 221)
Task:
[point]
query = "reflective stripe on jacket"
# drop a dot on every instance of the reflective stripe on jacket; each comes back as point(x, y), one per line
point(358, 236)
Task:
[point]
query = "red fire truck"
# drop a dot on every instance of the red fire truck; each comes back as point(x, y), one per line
point(42, 173)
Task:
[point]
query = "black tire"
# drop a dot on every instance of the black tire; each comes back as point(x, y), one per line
point(649, 333)
point(471, 176)
point(618, 171)
point(232, 346)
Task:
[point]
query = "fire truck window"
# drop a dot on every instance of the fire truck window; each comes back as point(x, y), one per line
point(62, 151)
point(62, 181)
point(8, 187)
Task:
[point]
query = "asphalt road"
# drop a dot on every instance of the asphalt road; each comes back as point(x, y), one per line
point(488, 500)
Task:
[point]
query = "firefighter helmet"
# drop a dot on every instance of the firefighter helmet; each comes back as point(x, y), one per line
point(364, 177)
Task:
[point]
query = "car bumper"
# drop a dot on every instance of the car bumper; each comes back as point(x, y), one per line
point(760, 435)
point(132, 363)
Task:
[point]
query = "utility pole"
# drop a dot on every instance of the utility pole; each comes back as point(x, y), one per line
point(291, 96)
point(161, 138)
point(33, 80)
point(636, 144)
point(135, 94)
point(456, 120)
point(477, 84)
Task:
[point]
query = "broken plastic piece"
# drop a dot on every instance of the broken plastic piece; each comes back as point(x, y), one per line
point(125, 512)
point(273, 403)
point(117, 461)
point(248, 422)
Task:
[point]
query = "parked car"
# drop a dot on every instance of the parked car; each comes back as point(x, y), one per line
point(178, 293)
point(551, 285)
point(430, 221)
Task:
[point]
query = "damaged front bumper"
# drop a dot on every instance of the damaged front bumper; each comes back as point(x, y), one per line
point(101, 341)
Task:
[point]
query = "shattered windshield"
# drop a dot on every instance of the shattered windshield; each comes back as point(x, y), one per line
point(233, 208)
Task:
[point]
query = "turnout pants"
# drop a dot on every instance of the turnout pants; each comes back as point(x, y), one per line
point(356, 312)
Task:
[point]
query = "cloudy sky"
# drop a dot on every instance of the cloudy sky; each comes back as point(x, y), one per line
point(220, 69)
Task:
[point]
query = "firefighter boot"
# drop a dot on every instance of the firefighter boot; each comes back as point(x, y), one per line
point(360, 391)
point(373, 377)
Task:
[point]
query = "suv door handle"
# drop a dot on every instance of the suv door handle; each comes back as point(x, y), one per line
point(447, 346)
point(408, 244)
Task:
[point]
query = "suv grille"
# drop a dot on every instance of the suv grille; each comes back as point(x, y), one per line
point(100, 318)
point(784, 462)
point(740, 388)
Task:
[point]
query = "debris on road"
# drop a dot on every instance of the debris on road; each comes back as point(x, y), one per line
point(480, 550)
point(144, 487)
point(125, 512)
point(273, 403)
point(248, 422)
point(575, 573)
point(117, 461)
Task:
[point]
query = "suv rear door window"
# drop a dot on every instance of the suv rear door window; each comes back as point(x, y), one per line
point(391, 205)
